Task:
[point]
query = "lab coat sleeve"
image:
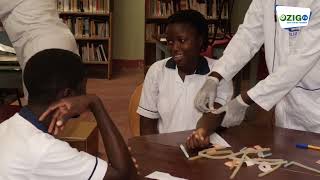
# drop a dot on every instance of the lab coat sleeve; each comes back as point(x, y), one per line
point(302, 59)
point(246, 42)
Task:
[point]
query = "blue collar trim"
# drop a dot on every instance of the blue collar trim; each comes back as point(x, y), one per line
point(29, 116)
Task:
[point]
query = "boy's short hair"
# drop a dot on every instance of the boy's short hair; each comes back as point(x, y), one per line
point(50, 71)
point(194, 19)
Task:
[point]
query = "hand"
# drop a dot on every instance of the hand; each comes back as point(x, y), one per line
point(65, 109)
point(235, 112)
point(207, 94)
point(136, 165)
point(198, 139)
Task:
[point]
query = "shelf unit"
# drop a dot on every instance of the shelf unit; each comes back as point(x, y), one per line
point(91, 23)
point(217, 13)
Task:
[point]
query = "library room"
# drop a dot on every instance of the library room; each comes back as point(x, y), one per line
point(159, 89)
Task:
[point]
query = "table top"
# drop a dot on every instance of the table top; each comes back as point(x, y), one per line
point(161, 153)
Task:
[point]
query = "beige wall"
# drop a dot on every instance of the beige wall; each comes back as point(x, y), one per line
point(128, 27)
point(239, 10)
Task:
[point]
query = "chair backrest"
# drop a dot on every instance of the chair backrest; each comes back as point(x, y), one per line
point(134, 117)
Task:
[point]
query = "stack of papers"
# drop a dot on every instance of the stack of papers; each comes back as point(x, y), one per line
point(216, 139)
point(6, 49)
point(163, 176)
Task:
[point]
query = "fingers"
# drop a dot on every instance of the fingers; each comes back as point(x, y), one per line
point(220, 110)
point(203, 106)
point(134, 160)
point(53, 121)
point(195, 140)
point(191, 141)
point(211, 102)
point(57, 121)
point(59, 126)
point(52, 108)
point(200, 102)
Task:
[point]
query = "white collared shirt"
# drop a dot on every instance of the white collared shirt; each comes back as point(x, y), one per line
point(167, 98)
point(27, 153)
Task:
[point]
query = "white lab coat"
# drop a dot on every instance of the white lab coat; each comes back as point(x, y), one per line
point(294, 82)
point(33, 25)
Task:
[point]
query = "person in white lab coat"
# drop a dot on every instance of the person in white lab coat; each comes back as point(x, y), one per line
point(292, 58)
point(33, 26)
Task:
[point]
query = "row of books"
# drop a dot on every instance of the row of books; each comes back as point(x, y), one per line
point(87, 27)
point(164, 8)
point(93, 6)
point(157, 31)
point(92, 52)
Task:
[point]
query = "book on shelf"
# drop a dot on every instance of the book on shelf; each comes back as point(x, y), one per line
point(91, 52)
point(165, 8)
point(157, 31)
point(86, 6)
point(90, 21)
point(87, 27)
point(102, 52)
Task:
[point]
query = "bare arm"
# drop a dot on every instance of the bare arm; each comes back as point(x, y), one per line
point(148, 126)
point(119, 157)
point(207, 124)
point(209, 121)
point(121, 165)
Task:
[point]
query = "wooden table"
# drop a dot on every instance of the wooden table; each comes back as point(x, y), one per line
point(161, 153)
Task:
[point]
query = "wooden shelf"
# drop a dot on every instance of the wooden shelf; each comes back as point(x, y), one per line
point(95, 62)
point(164, 19)
point(156, 17)
point(83, 24)
point(92, 38)
point(84, 14)
point(150, 41)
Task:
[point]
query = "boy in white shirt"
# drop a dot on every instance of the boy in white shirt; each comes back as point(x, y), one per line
point(56, 82)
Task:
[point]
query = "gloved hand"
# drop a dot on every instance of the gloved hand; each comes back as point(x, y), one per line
point(207, 95)
point(235, 112)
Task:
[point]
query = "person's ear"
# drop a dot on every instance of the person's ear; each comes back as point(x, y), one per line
point(68, 92)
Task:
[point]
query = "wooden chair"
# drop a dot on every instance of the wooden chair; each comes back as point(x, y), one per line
point(134, 117)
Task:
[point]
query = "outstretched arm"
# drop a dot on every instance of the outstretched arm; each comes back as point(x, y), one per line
point(207, 124)
point(243, 46)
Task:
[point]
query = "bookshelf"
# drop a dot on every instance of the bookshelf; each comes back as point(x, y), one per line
point(217, 13)
point(90, 21)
